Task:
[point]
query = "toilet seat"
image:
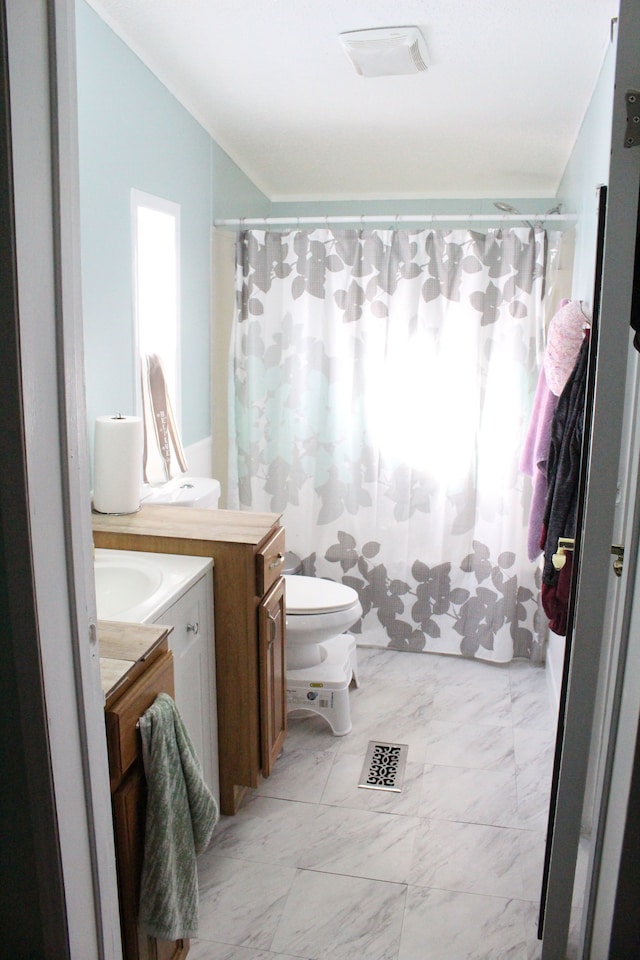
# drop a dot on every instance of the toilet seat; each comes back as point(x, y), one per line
point(312, 595)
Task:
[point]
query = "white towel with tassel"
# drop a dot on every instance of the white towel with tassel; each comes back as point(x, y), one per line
point(163, 456)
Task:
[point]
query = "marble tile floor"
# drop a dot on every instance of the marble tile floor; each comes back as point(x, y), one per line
point(449, 869)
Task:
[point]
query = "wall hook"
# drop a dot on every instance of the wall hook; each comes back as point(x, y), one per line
point(565, 545)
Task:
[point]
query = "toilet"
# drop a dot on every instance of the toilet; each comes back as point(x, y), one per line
point(317, 611)
point(184, 491)
point(321, 655)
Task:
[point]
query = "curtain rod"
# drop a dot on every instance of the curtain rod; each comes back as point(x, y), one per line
point(386, 218)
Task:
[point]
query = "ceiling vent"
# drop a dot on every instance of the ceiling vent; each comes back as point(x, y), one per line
point(386, 51)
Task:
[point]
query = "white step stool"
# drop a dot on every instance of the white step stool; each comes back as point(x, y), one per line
point(324, 689)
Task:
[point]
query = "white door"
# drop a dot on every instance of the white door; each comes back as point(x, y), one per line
point(600, 597)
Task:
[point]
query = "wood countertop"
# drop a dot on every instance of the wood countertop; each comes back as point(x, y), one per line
point(181, 523)
point(126, 649)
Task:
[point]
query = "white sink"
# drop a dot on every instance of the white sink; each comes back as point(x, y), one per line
point(123, 582)
point(139, 587)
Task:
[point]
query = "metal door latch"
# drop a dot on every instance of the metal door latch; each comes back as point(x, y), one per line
point(632, 132)
point(617, 551)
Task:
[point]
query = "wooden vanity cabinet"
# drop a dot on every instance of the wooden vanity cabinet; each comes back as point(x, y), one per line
point(125, 703)
point(248, 553)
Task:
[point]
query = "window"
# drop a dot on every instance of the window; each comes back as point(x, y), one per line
point(156, 283)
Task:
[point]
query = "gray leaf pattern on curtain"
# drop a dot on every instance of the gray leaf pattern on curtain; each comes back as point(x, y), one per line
point(413, 612)
point(382, 383)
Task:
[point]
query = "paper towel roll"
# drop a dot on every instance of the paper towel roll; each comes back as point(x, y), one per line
point(117, 474)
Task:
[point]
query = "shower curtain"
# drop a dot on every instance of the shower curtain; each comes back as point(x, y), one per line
point(381, 383)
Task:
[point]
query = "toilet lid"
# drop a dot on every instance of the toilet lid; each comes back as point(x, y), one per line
point(314, 595)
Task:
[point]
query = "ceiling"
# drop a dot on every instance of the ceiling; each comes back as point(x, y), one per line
point(495, 115)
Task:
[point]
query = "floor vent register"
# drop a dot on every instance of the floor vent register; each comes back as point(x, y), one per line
point(384, 766)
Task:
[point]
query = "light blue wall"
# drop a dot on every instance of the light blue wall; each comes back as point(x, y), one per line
point(134, 133)
point(588, 167)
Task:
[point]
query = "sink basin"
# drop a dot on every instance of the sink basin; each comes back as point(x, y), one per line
point(123, 583)
point(140, 587)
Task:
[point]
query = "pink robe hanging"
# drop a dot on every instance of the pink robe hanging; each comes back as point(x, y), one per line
point(533, 461)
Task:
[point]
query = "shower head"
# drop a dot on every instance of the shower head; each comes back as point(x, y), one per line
point(507, 208)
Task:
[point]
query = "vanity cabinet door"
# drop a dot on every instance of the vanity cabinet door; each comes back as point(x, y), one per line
point(273, 687)
point(128, 802)
point(192, 644)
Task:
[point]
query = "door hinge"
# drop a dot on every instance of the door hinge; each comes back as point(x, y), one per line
point(632, 133)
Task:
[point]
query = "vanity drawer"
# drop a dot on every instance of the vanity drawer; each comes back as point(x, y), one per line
point(269, 562)
point(123, 715)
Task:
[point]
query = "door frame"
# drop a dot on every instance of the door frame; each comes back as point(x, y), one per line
point(593, 634)
point(613, 919)
point(42, 135)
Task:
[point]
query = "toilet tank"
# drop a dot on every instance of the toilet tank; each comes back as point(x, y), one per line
point(202, 492)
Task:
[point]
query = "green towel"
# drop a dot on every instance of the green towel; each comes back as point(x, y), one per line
point(180, 817)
